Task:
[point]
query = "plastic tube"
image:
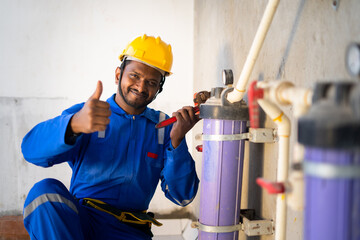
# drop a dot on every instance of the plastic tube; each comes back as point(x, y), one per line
point(238, 93)
point(283, 123)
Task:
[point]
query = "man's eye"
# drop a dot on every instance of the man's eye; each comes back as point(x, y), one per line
point(132, 75)
point(153, 84)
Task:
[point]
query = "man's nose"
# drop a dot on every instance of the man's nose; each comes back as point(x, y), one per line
point(141, 85)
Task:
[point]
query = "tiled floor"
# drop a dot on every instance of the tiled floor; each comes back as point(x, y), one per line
point(12, 228)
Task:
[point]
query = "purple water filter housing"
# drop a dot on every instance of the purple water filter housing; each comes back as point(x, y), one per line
point(330, 132)
point(222, 166)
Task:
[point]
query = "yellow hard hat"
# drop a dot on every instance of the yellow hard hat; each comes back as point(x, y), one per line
point(151, 51)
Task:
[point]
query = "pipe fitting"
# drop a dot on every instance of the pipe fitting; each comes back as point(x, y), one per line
point(281, 120)
point(285, 93)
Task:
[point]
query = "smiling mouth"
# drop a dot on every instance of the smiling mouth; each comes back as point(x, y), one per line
point(138, 94)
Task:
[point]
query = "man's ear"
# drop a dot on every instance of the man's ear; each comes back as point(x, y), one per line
point(117, 75)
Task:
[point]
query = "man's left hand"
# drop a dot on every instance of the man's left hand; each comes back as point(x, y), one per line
point(185, 120)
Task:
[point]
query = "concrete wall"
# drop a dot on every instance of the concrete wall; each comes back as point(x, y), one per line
point(51, 55)
point(53, 52)
point(306, 43)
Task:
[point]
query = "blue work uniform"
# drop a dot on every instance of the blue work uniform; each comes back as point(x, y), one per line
point(121, 167)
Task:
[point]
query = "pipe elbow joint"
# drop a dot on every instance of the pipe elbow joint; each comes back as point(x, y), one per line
point(284, 126)
point(235, 96)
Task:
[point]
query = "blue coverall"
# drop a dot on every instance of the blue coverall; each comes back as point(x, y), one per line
point(121, 167)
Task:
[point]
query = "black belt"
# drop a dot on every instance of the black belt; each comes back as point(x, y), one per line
point(141, 220)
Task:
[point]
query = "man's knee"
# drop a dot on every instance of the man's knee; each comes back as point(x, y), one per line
point(50, 202)
point(49, 185)
point(49, 195)
point(46, 186)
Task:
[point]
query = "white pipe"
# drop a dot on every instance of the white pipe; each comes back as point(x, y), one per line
point(239, 90)
point(300, 98)
point(295, 195)
point(285, 93)
point(283, 124)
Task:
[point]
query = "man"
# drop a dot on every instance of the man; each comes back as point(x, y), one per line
point(116, 154)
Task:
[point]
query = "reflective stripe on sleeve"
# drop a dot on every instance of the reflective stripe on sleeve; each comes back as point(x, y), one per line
point(161, 131)
point(183, 203)
point(48, 197)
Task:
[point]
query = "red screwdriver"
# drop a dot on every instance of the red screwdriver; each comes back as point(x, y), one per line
point(171, 120)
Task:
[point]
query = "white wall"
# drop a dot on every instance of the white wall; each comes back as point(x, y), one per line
point(306, 43)
point(53, 52)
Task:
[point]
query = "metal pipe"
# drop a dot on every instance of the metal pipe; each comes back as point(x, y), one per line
point(238, 93)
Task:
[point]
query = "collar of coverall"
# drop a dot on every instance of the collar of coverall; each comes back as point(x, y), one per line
point(148, 113)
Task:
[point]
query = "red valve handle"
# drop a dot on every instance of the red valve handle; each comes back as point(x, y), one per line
point(254, 94)
point(271, 187)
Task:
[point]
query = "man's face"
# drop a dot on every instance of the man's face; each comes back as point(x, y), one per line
point(138, 87)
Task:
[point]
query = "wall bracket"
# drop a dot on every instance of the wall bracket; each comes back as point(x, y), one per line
point(254, 226)
point(262, 135)
point(255, 135)
point(249, 224)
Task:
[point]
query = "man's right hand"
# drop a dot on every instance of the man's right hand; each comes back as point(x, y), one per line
point(94, 115)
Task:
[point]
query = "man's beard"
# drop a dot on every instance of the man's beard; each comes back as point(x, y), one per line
point(134, 104)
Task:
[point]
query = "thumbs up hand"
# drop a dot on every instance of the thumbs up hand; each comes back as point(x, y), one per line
point(94, 115)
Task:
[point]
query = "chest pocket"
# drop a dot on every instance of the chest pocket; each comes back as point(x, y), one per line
point(97, 161)
point(154, 160)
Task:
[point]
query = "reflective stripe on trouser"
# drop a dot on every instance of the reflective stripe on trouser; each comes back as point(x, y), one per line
point(48, 197)
point(51, 212)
